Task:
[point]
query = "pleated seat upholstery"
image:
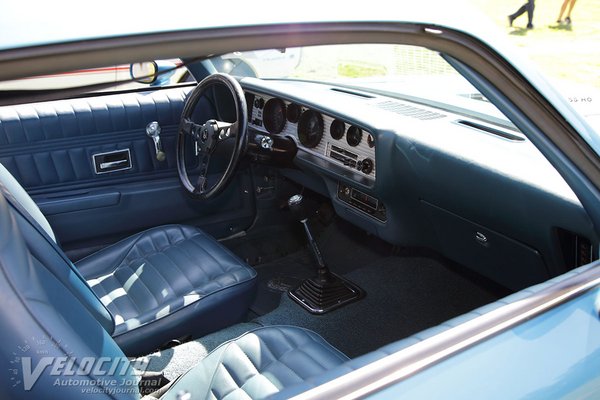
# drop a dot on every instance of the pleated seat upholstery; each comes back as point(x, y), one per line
point(259, 364)
point(175, 276)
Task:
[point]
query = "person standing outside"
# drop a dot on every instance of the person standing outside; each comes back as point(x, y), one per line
point(529, 7)
point(571, 4)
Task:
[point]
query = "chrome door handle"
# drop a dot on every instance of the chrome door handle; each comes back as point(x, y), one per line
point(112, 161)
point(110, 164)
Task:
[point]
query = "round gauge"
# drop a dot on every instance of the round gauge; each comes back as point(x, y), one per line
point(274, 115)
point(371, 141)
point(293, 113)
point(310, 128)
point(354, 136)
point(337, 129)
point(367, 166)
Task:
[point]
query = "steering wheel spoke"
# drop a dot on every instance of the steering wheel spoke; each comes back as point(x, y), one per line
point(189, 127)
point(200, 186)
point(205, 137)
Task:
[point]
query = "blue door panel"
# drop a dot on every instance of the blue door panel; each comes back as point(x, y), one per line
point(78, 201)
point(555, 355)
point(120, 211)
point(49, 148)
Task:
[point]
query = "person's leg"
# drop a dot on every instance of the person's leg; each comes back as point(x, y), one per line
point(571, 5)
point(517, 14)
point(562, 10)
point(530, 8)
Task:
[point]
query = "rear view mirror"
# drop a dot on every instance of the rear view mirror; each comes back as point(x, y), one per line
point(144, 72)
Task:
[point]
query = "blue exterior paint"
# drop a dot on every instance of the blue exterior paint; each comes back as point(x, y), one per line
point(555, 355)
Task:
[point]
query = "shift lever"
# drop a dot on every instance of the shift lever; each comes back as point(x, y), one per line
point(301, 213)
point(327, 290)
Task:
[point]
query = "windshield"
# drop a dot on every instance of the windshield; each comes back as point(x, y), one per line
point(400, 71)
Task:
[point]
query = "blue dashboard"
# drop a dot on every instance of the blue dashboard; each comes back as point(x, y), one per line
point(417, 174)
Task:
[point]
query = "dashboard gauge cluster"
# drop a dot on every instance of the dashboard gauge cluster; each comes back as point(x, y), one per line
point(310, 129)
point(334, 139)
point(274, 115)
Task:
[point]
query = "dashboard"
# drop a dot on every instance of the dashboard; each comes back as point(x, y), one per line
point(332, 138)
point(420, 175)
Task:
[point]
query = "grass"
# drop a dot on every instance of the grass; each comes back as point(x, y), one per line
point(566, 54)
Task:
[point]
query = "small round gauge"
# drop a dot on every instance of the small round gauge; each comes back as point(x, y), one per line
point(367, 166)
point(354, 136)
point(371, 141)
point(310, 128)
point(274, 115)
point(337, 129)
point(293, 112)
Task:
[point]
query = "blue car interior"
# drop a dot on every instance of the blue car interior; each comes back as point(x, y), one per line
point(103, 253)
point(274, 361)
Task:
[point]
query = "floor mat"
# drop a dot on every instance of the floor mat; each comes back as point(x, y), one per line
point(404, 295)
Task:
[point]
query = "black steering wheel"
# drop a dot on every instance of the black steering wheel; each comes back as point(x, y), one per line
point(206, 137)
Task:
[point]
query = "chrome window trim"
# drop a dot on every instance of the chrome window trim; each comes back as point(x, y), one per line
point(401, 365)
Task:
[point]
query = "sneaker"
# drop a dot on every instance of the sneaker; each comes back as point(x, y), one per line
point(568, 20)
point(530, 26)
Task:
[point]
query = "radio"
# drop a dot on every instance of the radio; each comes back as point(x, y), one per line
point(362, 201)
point(350, 159)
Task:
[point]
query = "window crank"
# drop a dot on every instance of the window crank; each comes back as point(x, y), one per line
point(153, 131)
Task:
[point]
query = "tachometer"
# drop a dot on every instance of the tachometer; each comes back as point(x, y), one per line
point(274, 115)
point(337, 129)
point(310, 128)
point(354, 136)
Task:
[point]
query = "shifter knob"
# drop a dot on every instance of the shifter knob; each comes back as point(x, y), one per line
point(295, 202)
point(296, 205)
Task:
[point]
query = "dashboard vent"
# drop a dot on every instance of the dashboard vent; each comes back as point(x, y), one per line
point(352, 93)
point(489, 129)
point(409, 111)
point(577, 250)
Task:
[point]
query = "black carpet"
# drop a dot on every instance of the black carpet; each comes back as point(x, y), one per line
point(344, 247)
point(404, 296)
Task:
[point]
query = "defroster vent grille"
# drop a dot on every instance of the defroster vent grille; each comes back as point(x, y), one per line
point(409, 111)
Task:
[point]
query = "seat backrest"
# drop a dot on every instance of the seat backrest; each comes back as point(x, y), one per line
point(52, 345)
point(41, 243)
point(11, 184)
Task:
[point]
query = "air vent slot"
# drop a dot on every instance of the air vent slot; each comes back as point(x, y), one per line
point(352, 93)
point(577, 250)
point(409, 111)
point(489, 129)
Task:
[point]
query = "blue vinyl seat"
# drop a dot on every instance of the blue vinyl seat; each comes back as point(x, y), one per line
point(161, 284)
point(49, 312)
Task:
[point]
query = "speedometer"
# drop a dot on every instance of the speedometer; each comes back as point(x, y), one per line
point(274, 115)
point(310, 128)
